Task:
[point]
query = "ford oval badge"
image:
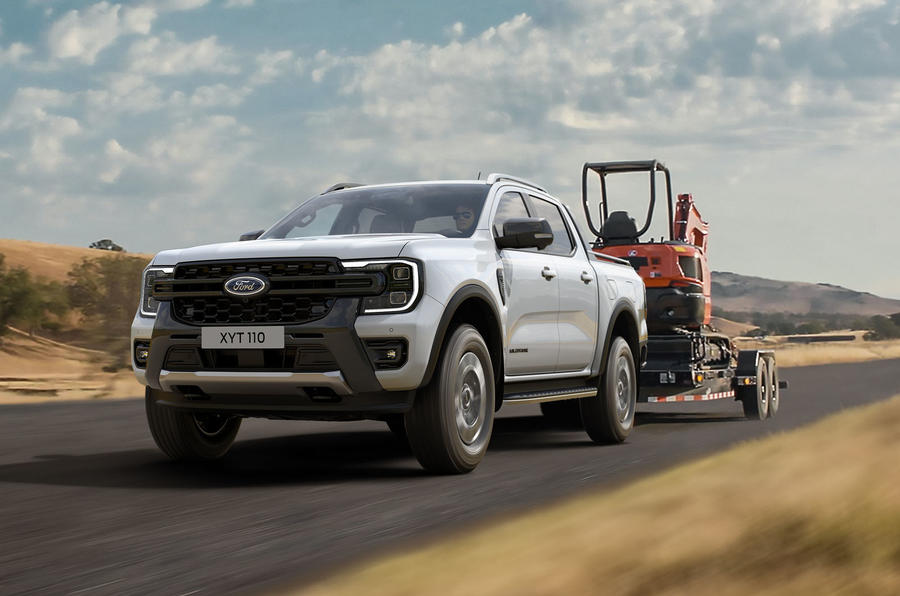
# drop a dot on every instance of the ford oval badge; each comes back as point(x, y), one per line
point(245, 286)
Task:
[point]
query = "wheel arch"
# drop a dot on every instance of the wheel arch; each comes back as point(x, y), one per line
point(623, 324)
point(474, 305)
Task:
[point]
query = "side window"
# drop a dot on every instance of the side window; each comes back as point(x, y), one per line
point(562, 240)
point(511, 205)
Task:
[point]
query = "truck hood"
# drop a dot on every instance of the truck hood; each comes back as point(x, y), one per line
point(359, 246)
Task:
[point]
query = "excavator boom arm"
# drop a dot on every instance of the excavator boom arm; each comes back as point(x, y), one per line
point(688, 224)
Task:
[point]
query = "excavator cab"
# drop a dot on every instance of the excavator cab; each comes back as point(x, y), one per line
point(675, 270)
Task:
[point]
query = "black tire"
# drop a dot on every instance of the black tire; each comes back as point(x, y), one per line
point(563, 414)
point(774, 392)
point(187, 436)
point(449, 426)
point(609, 417)
point(755, 400)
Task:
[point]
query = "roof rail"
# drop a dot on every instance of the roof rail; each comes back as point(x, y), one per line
point(340, 186)
point(496, 177)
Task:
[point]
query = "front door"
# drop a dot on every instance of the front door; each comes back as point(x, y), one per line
point(532, 290)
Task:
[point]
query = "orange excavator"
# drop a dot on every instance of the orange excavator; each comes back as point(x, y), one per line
point(687, 360)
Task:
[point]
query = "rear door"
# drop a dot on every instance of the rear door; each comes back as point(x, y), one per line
point(578, 298)
point(532, 292)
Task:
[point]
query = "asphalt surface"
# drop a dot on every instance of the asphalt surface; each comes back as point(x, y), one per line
point(88, 505)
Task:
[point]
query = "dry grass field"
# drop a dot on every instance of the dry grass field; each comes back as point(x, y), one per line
point(795, 354)
point(814, 511)
point(51, 261)
point(34, 369)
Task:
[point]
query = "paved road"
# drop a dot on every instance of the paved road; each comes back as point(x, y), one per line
point(88, 505)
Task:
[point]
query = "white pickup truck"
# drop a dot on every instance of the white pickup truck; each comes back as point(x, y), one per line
point(424, 304)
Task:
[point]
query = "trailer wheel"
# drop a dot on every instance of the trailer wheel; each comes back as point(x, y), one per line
point(774, 392)
point(756, 399)
point(609, 417)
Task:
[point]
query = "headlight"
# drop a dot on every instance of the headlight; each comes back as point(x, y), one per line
point(149, 305)
point(402, 285)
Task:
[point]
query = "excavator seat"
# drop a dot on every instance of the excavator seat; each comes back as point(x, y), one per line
point(618, 229)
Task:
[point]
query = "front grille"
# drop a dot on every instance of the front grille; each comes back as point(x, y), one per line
point(302, 358)
point(301, 290)
point(268, 309)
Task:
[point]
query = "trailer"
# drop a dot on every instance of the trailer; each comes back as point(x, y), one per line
point(687, 359)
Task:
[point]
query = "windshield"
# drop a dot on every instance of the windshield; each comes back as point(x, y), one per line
point(450, 209)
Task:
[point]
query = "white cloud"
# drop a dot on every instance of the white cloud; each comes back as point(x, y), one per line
point(238, 3)
point(178, 5)
point(271, 65)
point(129, 93)
point(456, 30)
point(219, 95)
point(167, 55)
point(82, 35)
point(202, 151)
point(28, 111)
point(29, 106)
point(46, 150)
point(14, 53)
point(117, 158)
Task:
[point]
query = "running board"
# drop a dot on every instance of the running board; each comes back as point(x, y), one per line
point(533, 397)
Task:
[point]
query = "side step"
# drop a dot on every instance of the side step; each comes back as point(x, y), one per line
point(533, 397)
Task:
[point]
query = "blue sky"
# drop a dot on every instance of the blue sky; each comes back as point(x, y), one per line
point(165, 123)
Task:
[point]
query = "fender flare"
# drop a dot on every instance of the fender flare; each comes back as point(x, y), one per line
point(461, 295)
point(620, 307)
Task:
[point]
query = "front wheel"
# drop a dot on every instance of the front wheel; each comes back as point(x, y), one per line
point(609, 416)
point(450, 423)
point(186, 435)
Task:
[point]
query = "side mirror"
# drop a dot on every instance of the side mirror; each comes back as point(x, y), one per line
point(525, 232)
point(251, 235)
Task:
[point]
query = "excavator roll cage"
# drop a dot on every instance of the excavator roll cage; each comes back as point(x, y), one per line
point(602, 168)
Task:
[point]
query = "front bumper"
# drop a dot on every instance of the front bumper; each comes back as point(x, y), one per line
point(352, 386)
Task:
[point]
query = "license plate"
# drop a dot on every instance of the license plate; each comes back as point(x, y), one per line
point(212, 338)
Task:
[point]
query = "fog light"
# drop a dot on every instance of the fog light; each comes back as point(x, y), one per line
point(698, 377)
point(398, 298)
point(387, 353)
point(141, 353)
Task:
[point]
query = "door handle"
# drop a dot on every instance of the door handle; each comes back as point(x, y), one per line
point(548, 273)
point(586, 277)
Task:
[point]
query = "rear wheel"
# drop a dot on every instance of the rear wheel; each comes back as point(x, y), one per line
point(186, 435)
point(450, 423)
point(609, 417)
point(756, 399)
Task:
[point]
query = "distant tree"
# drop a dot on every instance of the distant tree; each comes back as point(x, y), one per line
point(883, 328)
point(107, 292)
point(49, 303)
point(27, 302)
point(811, 327)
